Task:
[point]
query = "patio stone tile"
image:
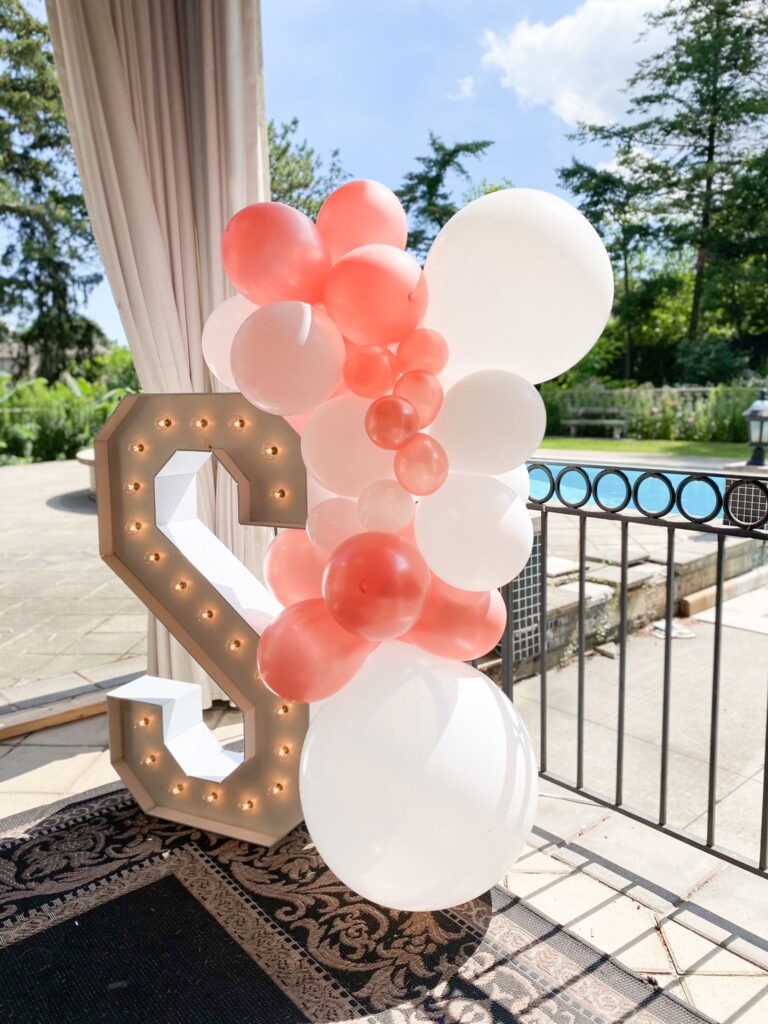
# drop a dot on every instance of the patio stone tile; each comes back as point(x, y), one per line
point(46, 689)
point(562, 815)
point(736, 817)
point(730, 1000)
point(113, 669)
point(101, 643)
point(229, 728)
point(44, 769)
point(693, 954)
point(98, 773)
point(123, 624)
point(88, 732)
point(17, 803)
point(533, 861)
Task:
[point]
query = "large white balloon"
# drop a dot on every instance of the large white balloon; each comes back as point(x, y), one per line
point(475, 532)
point(337, 450)
point(219, 333)
point(519, 480)
point(518, 280)
point(490, 422)
point(418, 781)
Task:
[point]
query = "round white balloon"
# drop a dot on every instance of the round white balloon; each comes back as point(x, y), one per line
point(490, 422)
point(475, 532)
point(337, 450)
point(418, 781)
point(519, 480)
point(518, 280)
point(219, 333)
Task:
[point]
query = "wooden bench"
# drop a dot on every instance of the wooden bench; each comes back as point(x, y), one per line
point(597, 416)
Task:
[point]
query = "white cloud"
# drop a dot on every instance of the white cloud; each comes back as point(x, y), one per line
point(577, 65)
point(465, 88)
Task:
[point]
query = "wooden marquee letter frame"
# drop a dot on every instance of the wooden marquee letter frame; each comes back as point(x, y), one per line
point(148, 457)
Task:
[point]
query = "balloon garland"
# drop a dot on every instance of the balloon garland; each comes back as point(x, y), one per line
point(412, 390)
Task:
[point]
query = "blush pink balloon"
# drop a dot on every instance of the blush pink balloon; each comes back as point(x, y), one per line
point(458, 624)
point(332, 521)
point(273, 253)
point(376, 294)
point(391, 421)
point(385, 506)
point(421, 465)
point(369, 370)
point(293, 567)
point(375, 585)
point(361, 212)
point(305, 655)
point(287, 358)
point(425, 350)
point(219, 334)
point(424, 392)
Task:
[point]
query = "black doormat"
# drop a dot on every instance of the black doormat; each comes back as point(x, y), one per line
point(112, 916)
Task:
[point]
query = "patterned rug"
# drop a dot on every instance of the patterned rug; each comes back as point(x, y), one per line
point(112, 916)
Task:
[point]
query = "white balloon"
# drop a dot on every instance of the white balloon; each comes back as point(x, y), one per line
point(418, 781)
point(475, 532)
point(490, 422)
point(518, 280)
point(385, 506)
point(332, 521)
point(219, 333)
point(337, 450)
point(519, 480)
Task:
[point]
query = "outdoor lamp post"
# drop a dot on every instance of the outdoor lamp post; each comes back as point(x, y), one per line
point(757, 428)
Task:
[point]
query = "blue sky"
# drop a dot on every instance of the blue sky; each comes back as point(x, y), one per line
point(372, 77)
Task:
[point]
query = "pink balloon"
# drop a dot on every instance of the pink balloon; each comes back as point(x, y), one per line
point(424, 392)
point(377, 295)
point(369, 370)
point(305, 655)
point(361, 212)
point(391, 421)
point(421, 465)
point(459, 624)
point(293, 568)
point(375, 585)
point(219, 334)
point(273, 253)
point(333, 521)
point(425, 350)
point(385, 506)
point(287, 358)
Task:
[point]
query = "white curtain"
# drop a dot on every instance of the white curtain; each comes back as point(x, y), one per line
point(165, 103)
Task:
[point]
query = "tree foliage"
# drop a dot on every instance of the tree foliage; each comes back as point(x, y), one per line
point(297, 172)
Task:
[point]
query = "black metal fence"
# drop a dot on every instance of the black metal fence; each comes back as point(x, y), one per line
point(670, 501)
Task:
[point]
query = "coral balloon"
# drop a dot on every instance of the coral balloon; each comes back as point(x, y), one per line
point(375, 585)
point(425, 350)
point(384, 505)
point(424, 392)
point(376, 294)
point(333, 521)
point(460, 624)
point(361, 212)
point(391, 421)
point(273, 253)
point(337, 450)
point(287, 358)
point(369, 370)
point(293, 568)
point(421, 465)
point(304, 654)
point(219, 334)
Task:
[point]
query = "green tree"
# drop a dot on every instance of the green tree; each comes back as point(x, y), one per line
point(426, 192)
point(47, 258)
point(297, 173)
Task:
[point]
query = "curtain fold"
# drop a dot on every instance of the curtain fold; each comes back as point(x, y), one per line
point(165, 104)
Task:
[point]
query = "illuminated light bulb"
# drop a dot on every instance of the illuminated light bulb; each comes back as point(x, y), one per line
point(234, 645)
point(246, 805)
point(283, 751)
point(276, 789)
point(206, 614)
point(178, 586)
point(200, 424)
point(138, 447)
point(178, 788)
point(149, 760)
point(164, 422)
point(212, 797)
point(142, 723)
point(278, 494)
point(281, 710)
point(133, 527)
point(238, 423)
point(152, 556)
point(269, 451)
point(132, 485)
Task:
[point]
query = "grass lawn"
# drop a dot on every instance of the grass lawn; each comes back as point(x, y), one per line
point(717, 449)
